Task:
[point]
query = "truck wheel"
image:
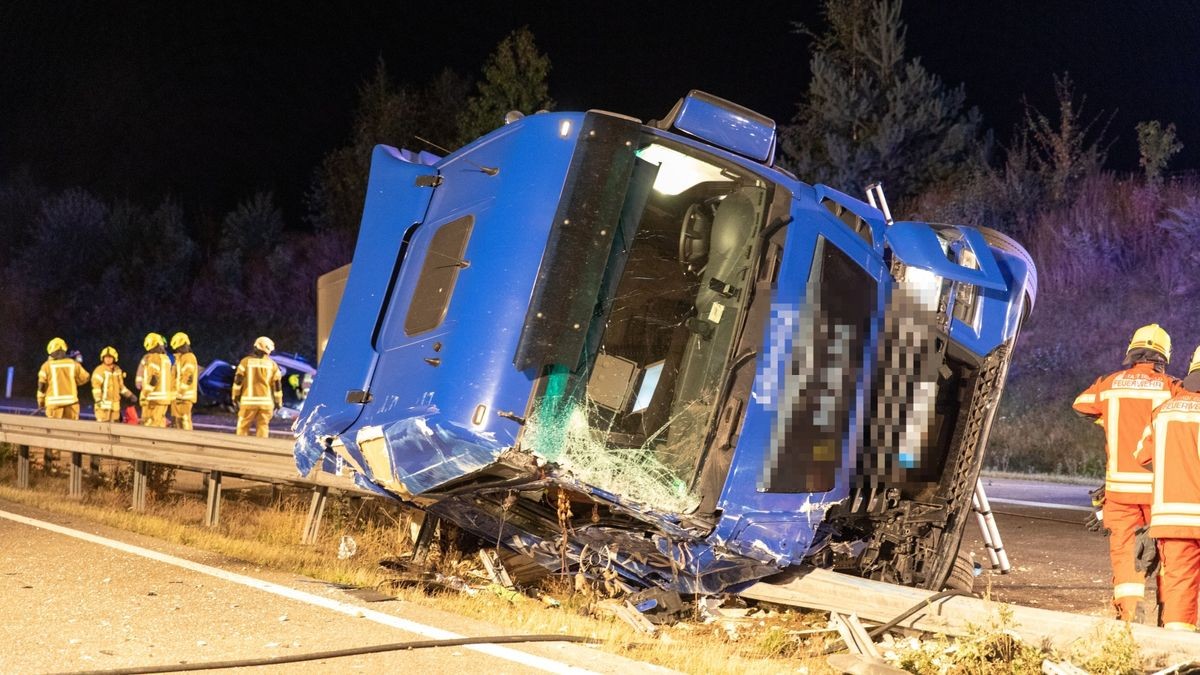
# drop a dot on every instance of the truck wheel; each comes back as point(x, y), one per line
point(962, 575)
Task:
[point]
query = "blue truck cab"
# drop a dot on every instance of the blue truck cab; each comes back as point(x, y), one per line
point(646, 348)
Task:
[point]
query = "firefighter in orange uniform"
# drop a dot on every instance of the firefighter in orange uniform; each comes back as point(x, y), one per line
point(1121, 403)
point(185, 372)
point(257, 389)
point(1171, 446)
point(154, 380)
point(59, 380)
point(108, 386)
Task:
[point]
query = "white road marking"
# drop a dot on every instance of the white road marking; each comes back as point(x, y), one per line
point(516, 656)
point(1044, 505)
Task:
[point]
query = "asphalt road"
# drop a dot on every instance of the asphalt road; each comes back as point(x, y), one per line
point(89, 598)
point(1056, 563)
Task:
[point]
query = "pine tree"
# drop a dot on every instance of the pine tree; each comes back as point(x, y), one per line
point(514, 78)
point(395, 115)
point(872, 114)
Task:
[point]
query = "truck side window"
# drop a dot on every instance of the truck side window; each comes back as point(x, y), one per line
point(439, 272)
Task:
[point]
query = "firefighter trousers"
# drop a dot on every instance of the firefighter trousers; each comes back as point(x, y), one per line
point(259, 415)
point(108, 415)
point(181, 412)
point(1180, 582)
point(154, 414)
point(63, 412)
point(1129, 585)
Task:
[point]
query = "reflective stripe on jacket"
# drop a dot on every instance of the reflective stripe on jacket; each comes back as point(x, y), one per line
point(108, 383)
point(156, 368)
point(1123, 402)
point(1172, 442)
point(185, 370)
point(58, 382)
point(258, 382)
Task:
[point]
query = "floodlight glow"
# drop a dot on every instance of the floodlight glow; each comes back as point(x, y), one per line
point(677, 171)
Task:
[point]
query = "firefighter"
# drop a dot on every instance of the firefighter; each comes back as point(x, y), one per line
point(185, 373)
point(1170, 446)
point(154, 381)
point(108, 386)
point(257, 389)
point(1121, 404)
point(59, 380)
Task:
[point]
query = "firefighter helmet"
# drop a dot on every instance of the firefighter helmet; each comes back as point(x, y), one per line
point(1151, 337)
point(56, 345)
point(180, 339)
point(109, 351)
point(264, 344)
point(153, 340)
point(1195, 364)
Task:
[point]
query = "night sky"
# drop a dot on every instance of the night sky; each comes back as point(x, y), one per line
point(211, 102)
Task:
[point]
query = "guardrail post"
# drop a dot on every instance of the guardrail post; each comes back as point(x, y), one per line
point(141, 476)
point(316, 509)
point(213, 515)
point(23, 466)
point(429, 524)
point(76, 489)
point(47, 461)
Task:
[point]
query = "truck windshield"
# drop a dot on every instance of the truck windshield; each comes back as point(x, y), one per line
point(635, 418)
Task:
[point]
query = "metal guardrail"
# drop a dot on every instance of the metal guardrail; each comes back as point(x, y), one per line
point(216, 454)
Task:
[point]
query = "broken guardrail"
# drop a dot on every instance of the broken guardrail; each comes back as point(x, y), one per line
point(955, 615)
point(265, 459)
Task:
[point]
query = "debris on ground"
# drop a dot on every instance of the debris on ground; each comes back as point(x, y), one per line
point(626, 612)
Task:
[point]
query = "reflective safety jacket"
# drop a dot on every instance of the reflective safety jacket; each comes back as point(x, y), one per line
point(108, 385)
point(1122, 403)
point(258, 382)
point(59, 381)
point(1172, 442)
point(154, 379)
point(186, 373)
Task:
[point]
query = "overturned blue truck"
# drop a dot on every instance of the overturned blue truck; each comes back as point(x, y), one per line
point(645, 350)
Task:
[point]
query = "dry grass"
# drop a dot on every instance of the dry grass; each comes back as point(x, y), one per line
point(256, 530)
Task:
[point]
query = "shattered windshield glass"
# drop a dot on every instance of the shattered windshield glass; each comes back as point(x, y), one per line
point(635, 418)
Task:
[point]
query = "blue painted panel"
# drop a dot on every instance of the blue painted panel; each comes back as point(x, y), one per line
point(780, 526)
point(918, 245)
point(728, 126)
point(393, 204)
point(873, 216)
point(428, 412)
point(1000, 310)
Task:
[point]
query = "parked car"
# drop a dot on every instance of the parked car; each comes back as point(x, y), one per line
point(216, 383)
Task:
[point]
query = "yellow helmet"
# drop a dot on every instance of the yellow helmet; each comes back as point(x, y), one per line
point(109, 351)
point(264, 344)
point(180, 339)
point(56, 345)
point(153, 340)
point(1151, 337)
point(1195, 364)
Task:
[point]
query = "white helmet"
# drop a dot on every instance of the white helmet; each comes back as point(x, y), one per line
point(264, 344)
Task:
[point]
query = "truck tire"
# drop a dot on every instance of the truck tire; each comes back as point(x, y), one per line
point(962, 575)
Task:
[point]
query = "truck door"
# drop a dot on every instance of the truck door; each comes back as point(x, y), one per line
point(398, 195)
point(806, 413)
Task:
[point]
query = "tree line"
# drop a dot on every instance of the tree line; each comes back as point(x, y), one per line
point(100, 269)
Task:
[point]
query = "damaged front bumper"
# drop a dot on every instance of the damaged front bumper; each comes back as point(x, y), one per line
point(512, 498)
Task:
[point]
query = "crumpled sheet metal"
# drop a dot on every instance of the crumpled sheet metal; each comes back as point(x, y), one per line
point(686, 566)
